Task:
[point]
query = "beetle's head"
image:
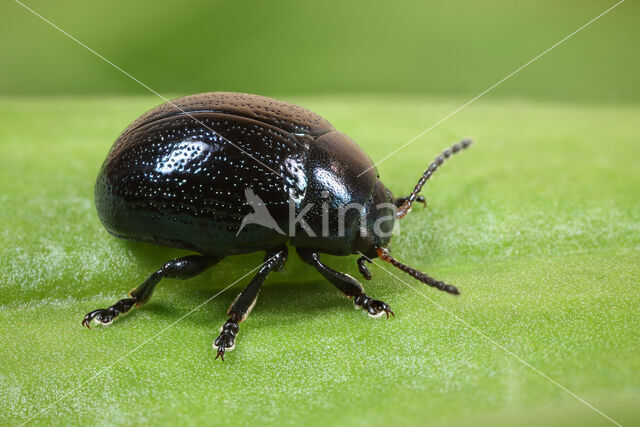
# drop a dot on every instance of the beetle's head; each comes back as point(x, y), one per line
point(376, 226)
point(376, 222)
point(378, 218)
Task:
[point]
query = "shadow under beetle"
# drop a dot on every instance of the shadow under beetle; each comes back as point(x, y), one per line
point(177, 177)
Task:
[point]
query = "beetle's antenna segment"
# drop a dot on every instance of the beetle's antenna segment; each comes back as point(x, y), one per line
point(439, 160)
point(384, 255)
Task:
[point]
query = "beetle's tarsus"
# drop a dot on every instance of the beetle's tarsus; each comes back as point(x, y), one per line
point(373, 307)
point(227, 338)
point(106, 316)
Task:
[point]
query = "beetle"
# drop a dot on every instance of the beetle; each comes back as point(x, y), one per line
point(181, 176)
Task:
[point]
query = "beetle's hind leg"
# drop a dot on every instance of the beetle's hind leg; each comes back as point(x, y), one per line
point(348, 285)
point(179, 268)
point(274, 260)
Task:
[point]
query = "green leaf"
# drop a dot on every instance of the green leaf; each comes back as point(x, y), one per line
point(538, 224)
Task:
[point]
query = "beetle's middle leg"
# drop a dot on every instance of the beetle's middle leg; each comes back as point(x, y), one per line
point(347, 284)
point(240, 308)
point(179, 268)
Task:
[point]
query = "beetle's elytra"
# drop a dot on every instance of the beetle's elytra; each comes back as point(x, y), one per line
point(231, 173)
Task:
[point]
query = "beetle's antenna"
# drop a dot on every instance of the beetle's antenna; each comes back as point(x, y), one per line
point(439, 160)
point(384, 255)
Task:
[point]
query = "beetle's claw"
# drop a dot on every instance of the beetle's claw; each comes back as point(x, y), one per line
point(101, 316)
point(220, 354)
point(378, 309)
point(223, 343)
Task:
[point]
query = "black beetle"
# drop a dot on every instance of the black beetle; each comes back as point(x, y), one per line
point(189, 173)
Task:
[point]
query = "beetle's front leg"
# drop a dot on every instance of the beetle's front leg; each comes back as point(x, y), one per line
point(349, 286)
point(274, 260)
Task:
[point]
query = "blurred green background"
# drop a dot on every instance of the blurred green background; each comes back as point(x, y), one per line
point(538, 224)
point(291, 47)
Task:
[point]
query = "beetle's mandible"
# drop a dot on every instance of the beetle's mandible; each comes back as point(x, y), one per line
point(229, 173)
